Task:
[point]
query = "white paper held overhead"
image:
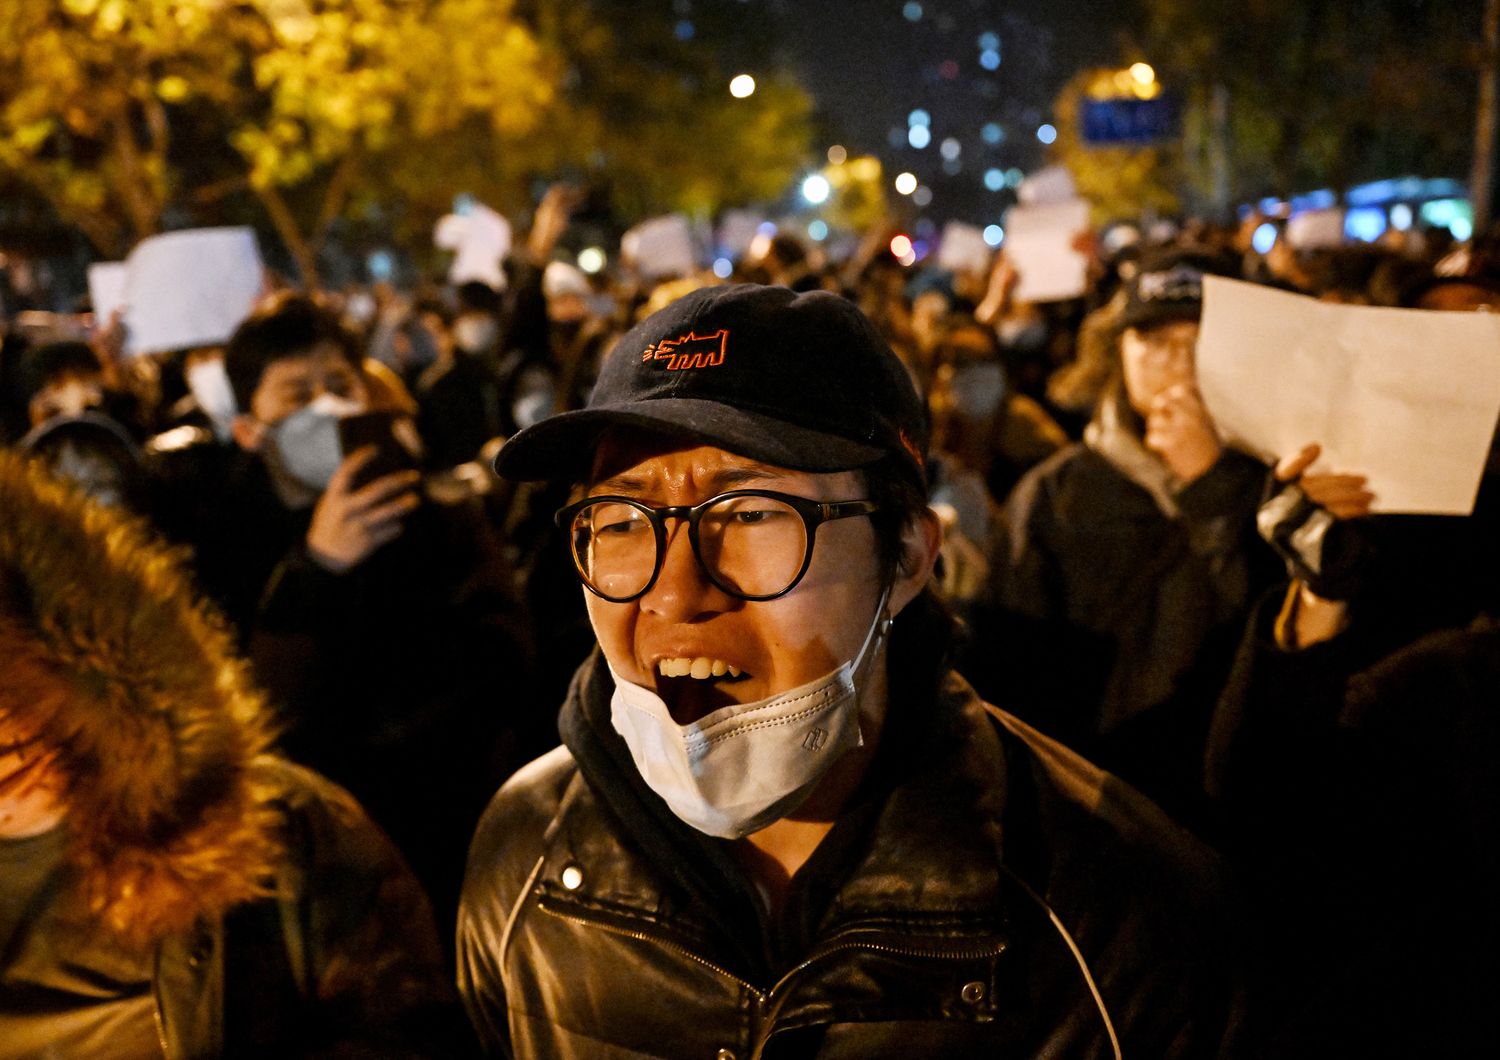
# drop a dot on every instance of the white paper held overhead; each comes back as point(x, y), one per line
point(190, 288)
point(962, 249)
point(661, 248)
point(480, 239)
point(106, 290)
point(1408, 398)
point(1039, 243)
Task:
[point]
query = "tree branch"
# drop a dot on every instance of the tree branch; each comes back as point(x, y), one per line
point(291, 234)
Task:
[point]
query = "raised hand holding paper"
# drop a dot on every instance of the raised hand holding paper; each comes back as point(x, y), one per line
point(1039, 241)
point(1408, 398)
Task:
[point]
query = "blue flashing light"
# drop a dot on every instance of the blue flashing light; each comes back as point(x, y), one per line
point(1264, 238)
point(1322, 199)
point(1365, 223)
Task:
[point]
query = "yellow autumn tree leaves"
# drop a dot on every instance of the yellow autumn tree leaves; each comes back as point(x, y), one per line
point(129, 116)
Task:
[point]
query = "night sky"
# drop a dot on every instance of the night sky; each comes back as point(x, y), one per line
point(870, 66)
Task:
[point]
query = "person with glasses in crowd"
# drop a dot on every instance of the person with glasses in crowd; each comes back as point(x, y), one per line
point(779, 824)
point(1128, 561)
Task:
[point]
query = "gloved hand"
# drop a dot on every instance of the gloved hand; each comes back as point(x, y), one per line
point(1311, 521)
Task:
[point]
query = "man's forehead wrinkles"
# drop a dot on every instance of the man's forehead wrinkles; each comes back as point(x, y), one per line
point(717, 479)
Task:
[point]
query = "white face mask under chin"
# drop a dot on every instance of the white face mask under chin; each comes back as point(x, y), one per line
point(738, 769)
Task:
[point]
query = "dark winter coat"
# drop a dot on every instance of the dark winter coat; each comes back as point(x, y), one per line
point(1360, 808)
point(1118, 596)
point(988, 893)
point(253, 900)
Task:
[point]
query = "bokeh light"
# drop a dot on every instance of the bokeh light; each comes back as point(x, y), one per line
point(818, 230)
point(994, 179)
point(1047, 134)
point(919, 136)
point(723, 268)
point(1142, 73)
point(919, 117)
point(815, 189)
point(906, 183)
point(993, 235)
point(922, 196)
point(992, 133)
point(950, 148)
point(901, 246)
point(912, 11)
point(591, 259)
point(743, 85)
point(837, 155)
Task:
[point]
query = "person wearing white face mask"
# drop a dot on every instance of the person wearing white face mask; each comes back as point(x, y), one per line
point(779, 824)
point(378, 618)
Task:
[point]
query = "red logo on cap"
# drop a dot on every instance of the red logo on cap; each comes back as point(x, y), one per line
point(689, 351)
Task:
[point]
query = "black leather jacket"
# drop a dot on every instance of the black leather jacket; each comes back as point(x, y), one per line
point(999, 897)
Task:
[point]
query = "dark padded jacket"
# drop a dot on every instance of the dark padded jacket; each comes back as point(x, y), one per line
point(1116, 604)
point(987, 893)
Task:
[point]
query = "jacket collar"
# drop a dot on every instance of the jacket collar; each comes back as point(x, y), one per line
point(919, 848)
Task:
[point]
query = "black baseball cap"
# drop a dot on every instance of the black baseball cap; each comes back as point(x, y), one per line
point(1168, 286)
point(802, 381)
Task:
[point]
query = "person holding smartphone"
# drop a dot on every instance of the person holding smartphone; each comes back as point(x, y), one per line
point(378, 619)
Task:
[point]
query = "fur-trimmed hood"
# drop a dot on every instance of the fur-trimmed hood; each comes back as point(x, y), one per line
point(107, 655)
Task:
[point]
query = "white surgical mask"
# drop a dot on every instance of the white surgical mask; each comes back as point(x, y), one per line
point(475, 333)
point(307, 441)
point(209, 385)
point(738, 769)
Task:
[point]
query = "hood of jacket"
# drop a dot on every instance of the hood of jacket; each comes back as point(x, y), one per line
point(110, 663)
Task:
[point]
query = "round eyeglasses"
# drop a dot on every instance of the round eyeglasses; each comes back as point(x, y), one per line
point(752, 544)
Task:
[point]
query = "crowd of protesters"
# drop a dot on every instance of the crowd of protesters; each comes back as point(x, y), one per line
point(1319, 707)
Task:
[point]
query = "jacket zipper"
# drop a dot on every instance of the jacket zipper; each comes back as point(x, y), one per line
point(993, 949)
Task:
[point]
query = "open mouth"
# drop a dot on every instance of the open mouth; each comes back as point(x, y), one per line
point(693, 688)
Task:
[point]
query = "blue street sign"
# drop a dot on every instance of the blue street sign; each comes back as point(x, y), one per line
point(1130, 121)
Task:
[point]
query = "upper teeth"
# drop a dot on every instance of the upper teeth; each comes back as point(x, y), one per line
point(700, 667)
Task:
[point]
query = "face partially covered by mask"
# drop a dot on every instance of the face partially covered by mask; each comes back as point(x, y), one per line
point(306, 443)
point(746, 765)
point(293, 420)
point(734, 710)
point(476, 333)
